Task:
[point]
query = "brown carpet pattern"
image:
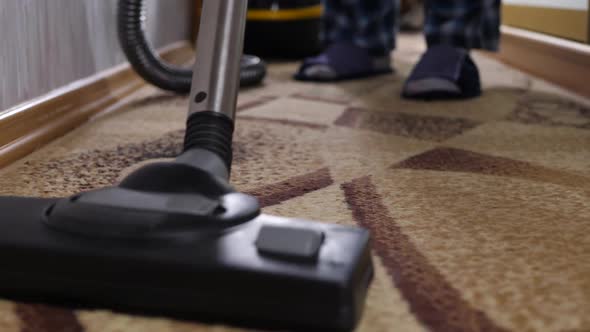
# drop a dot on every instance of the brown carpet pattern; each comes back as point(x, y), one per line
point(432, 299)
point(479, 210)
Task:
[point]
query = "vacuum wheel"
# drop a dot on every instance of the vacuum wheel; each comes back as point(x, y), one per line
point(253, 70)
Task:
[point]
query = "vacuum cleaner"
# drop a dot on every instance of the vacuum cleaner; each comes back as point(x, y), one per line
point(284, 28)
point(174, 238)
point(146, 62)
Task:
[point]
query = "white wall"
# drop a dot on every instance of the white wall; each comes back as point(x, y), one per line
point(46, 44)
point(562, 4)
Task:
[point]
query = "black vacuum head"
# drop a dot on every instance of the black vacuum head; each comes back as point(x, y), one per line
point(271, 271)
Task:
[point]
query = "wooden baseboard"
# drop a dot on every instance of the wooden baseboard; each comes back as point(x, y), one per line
point(563, 23)
point(556, 60)
point(27, 127)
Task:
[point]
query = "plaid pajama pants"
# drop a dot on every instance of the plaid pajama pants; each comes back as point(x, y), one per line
point(371, 24)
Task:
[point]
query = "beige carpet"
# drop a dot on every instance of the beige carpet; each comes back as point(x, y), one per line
point(480, 210)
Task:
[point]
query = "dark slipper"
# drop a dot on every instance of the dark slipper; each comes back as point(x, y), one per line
point(443, 72)
point(342, 61)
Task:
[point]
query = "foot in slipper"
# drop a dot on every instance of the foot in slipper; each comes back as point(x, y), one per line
point(443, 72)
point(343, 61)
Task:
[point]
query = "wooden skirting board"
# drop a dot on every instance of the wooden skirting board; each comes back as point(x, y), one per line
point(27, 127)
point(559, 22)
point(556, 60)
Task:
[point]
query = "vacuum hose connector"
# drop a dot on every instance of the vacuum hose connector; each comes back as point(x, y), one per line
point(212, 131)
point(146, 62)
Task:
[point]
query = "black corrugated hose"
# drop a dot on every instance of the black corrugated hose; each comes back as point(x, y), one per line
point(152, 68)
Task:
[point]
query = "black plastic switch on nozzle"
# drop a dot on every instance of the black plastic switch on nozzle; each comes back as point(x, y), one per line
point(290, 243)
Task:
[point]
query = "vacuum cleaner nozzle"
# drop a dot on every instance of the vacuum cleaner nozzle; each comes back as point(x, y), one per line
point(175, 238)
point(267, 270)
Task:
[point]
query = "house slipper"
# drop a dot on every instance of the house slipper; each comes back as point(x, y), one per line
point(443, 72)
point(343, 61)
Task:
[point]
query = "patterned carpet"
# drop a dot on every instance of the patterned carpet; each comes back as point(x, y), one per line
point(479, 210)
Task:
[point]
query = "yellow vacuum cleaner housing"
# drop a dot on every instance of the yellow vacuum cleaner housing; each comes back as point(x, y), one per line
point(283, 28)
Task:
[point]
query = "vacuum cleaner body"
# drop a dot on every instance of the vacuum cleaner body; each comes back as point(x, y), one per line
point(276, 271)
point(175, 238)
point(284, 28)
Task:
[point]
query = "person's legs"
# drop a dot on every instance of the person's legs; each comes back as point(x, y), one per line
point(369, 24)
point(359, 36)
point(453, 27)
point(468, 24)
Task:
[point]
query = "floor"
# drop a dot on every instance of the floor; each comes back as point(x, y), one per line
point(479, 210)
